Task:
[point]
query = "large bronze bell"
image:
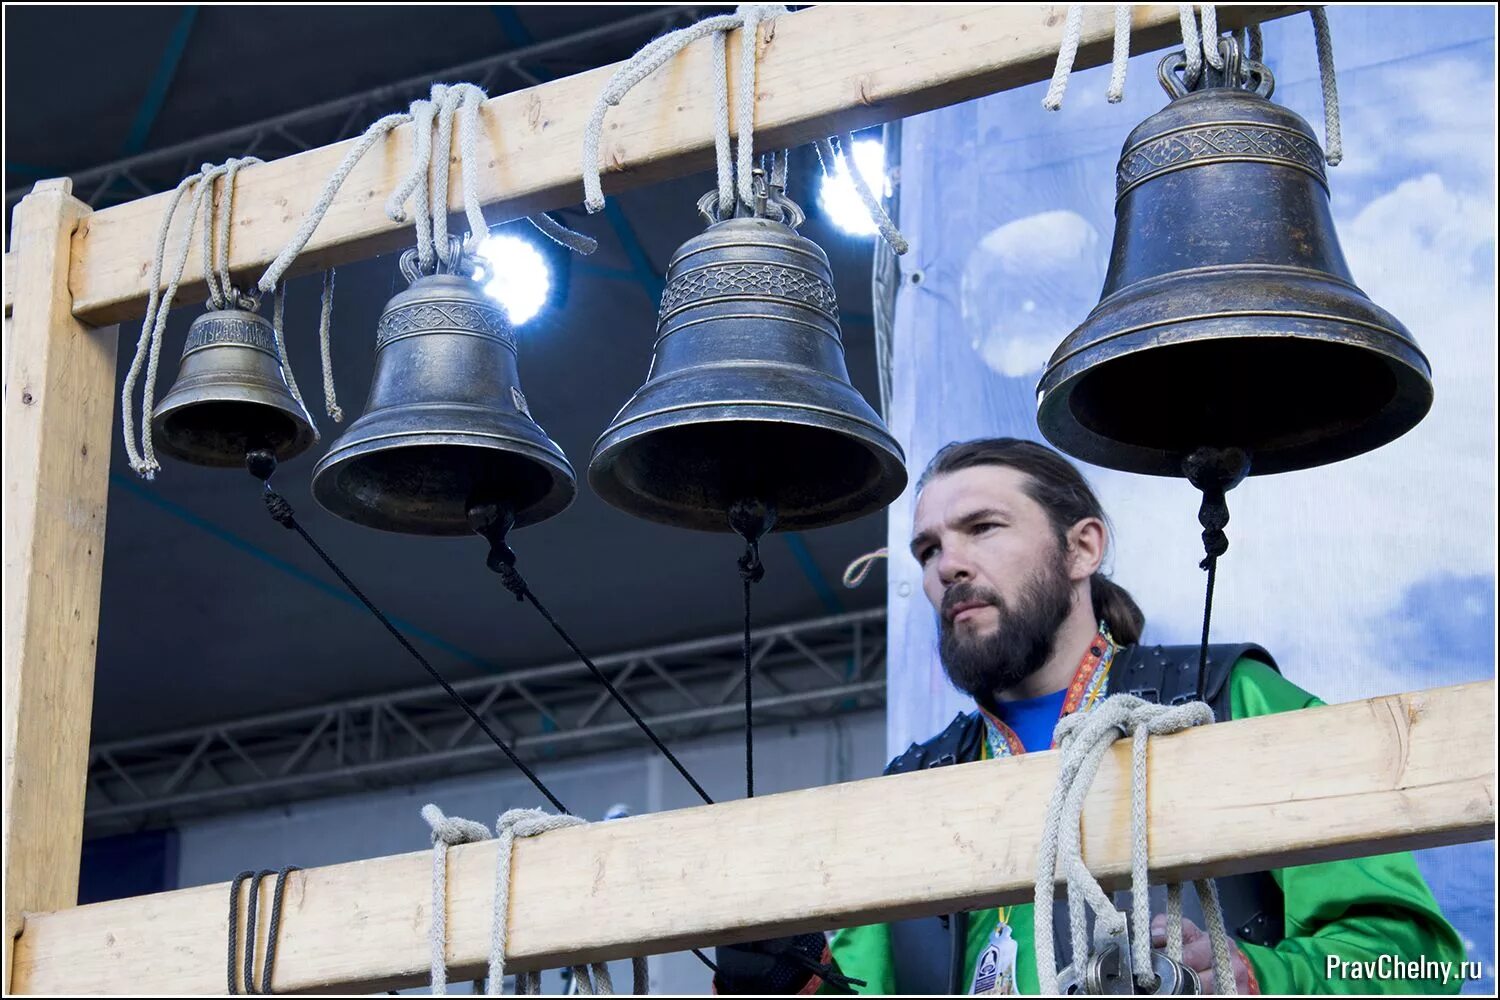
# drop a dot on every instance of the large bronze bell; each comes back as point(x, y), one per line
point(231, 395)
point(445, 426)
point(748, 397)
point(1229, 317)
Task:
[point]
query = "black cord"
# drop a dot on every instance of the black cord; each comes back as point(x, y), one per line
point(273, 932)
point(250, 925)
point(1214, 471)
point(282, 512)
point(234, 922)
point(749, 701)
point(493, 523)
point(261, 465)
point(1212, 565)
point(750, 519)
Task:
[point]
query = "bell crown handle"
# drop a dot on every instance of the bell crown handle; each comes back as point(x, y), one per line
point(466, 264)
point(771, 202)
point(1239, 72)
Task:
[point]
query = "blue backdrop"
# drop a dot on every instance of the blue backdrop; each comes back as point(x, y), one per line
point(1370, 576)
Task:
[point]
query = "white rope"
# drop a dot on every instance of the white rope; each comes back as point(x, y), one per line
point(446, 832)
point(325, 348)
point(278, 326)
point(723, 163)
point(1083, 740)
point(650, 58)
point(447, 99)
point(377, 131)
point(1332, 131)
point(417, 184)
point(143, 460)
point(829, 155)
point(222, 294)
point(856, 571)
point(1192, 43)
point(1120, 57)
point(562, 235)
point(592, 979)
point(753, 14)
point(1067, 52)
point(1210, 16)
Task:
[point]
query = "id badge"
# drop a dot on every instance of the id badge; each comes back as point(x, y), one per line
point(995, 972)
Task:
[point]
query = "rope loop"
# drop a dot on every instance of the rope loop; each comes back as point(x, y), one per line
point(1083, 740)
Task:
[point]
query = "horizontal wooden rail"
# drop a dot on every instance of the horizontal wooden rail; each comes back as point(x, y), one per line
point(823, 70)
point(1393, 773)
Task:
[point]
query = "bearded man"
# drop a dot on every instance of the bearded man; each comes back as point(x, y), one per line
point(1011, 540)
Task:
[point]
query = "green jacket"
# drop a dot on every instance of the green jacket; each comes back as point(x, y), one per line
point(1356, 910)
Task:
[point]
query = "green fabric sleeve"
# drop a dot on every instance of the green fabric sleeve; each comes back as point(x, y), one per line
point(864, 953)
point(1343, 911)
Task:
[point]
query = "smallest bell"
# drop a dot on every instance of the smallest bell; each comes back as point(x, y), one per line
point(231, 395)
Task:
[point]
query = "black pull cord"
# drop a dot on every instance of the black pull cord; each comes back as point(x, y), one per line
point(234, 921)
point(493, 522)
point(750, 519)
point(1214, 471)
point(262, 464)
point(272, 932)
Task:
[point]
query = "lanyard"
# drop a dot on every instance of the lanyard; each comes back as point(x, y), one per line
point(1087, 687)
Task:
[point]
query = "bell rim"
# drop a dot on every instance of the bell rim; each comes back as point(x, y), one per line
point(563, 492)
point(306, 430)
point(1406, 343)
point(1407, 407)
point(882, 446)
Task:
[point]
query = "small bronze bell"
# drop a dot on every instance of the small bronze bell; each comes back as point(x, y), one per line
point(1229, 317)
point(445, 426)
point(748, 398)
point(231, 395)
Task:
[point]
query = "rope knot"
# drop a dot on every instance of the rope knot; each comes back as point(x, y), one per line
point(534, 822)
point(453, 830)
point(278, 508)
point(1083, 740)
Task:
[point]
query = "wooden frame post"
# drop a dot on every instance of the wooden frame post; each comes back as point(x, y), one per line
point(59, 409)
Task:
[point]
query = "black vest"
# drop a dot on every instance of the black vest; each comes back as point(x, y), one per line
point(929, 952)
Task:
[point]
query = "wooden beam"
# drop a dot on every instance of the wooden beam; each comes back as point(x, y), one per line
point(1395, 773)
point(59, 403)
point(826, 69)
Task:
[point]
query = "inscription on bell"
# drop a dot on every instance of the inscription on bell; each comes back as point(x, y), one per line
point(444, 317)
point(217, 330)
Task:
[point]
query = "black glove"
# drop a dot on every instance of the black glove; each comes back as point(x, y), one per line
point(776, 966)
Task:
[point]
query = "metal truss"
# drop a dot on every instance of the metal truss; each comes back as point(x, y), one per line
point(307, 128)
point(807, 670)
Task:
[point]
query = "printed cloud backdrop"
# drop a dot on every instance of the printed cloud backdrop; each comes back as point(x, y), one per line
point(1373, 575)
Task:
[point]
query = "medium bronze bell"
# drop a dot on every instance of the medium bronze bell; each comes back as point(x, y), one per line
point(1229, 317)
point(748, 397)
point(231, 395)
point(445, 426)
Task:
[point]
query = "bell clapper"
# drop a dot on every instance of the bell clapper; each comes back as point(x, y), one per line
point(1214, 472)
point(751, 520)
point(261, 463)
point(493, 521)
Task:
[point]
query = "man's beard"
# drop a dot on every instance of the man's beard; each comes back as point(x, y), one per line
point(983, 665)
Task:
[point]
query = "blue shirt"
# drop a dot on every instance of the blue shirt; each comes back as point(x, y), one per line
point(1033, 719)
